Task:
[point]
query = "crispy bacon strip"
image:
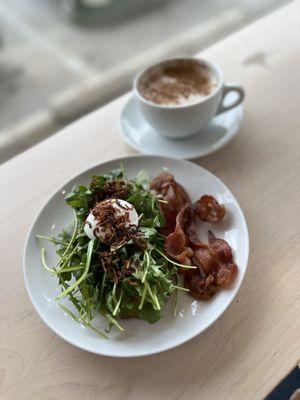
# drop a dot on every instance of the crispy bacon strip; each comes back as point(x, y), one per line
point(214, 261)
point(174, 195)
point(208, 209)
point(223, 254)
point(176, 248)
point(202, 288)
point(161, 182)
point(176, 243)
point(216, 267)
point(204, 259)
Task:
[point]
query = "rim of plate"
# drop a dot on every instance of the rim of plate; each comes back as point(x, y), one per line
point(220, 143)
point(175, 343)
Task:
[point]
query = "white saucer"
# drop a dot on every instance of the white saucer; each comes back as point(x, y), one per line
point(143, 138)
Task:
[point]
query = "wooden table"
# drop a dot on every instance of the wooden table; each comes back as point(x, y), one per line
point(257, 341)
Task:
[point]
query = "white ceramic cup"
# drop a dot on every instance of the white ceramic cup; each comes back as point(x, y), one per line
point(183, 120)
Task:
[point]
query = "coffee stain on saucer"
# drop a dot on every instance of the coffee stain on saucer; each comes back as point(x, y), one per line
point(259, 58)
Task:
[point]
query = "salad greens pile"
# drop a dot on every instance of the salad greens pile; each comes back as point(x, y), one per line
point(134, 279)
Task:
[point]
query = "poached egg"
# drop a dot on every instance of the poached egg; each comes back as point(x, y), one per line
point(106, 214)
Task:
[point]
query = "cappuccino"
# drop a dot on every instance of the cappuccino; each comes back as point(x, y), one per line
point(177, 83)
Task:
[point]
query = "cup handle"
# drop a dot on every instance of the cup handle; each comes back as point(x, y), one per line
point(231, 87)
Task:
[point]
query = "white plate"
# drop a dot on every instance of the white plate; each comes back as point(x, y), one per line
point(145, 139)
point(139, 338)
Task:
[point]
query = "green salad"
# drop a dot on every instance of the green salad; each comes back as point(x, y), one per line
point(115, 267)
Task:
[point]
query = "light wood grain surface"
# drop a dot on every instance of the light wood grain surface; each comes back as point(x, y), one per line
point(257, 341)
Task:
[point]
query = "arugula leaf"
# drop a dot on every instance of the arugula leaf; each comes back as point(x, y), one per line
point(137, 281)
point(149, 314)
point(79, 199)
point(97, 182)
point(142, 179)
